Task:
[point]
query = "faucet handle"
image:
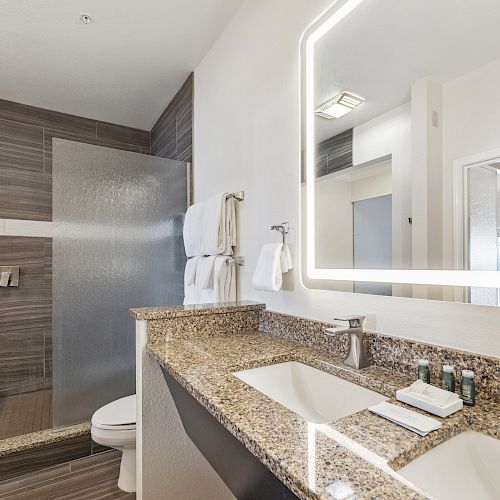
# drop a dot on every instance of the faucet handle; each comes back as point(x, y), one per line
point(355, 321)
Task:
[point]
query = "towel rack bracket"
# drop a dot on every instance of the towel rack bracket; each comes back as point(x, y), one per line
point(239, 261)
point(240, 195)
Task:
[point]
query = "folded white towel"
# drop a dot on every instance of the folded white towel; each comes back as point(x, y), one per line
point(210, 227)
point(268, 275)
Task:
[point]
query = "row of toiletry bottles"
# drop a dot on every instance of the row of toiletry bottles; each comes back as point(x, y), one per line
point(467, 385)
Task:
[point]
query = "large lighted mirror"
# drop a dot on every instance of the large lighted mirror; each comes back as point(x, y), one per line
point(401, 149)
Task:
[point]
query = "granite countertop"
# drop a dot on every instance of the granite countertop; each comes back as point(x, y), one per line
point(356, 456)
point(170, 312)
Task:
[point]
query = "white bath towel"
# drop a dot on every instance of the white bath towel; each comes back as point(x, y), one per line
point(268, 275)
point(215, 281)
point(210, 227)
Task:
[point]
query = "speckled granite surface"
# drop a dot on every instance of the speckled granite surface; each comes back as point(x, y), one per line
point(398, 354)
point(168, 312)
point(356, 455)
point(35, 439)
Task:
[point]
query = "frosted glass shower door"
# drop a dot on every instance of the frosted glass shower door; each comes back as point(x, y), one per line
point(117, 244)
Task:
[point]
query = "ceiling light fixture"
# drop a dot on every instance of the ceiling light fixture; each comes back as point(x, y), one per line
point(340, 105)
point(85, 18)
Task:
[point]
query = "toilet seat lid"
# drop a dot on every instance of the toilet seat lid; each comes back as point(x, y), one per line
point(116, 413)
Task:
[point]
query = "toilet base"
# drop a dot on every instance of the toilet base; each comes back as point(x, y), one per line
point(127, 479)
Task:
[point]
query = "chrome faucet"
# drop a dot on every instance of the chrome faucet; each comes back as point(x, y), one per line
point(357, 354)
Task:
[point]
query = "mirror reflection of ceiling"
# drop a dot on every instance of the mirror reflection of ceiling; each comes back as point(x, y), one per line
point(384, 46)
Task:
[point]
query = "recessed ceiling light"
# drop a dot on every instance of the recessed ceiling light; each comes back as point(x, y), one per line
point(85, 18)
point(340, 105)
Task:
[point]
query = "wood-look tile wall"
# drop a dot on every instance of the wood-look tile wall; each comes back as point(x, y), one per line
point(172, 134)
point(26, 136)
point(26, 316)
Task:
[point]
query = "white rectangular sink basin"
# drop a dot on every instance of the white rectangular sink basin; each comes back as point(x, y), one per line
point(466, 466)
point(317, 396)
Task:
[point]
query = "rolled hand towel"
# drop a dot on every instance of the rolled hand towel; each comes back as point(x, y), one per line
point(268, 275)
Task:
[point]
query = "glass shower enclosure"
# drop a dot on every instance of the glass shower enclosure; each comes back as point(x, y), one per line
point(117, 243)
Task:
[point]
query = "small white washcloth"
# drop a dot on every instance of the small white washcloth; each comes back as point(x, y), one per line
point(286, 259)
point(268, 275)
point(431, 394)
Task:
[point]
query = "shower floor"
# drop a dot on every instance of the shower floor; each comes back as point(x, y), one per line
point(25, 413)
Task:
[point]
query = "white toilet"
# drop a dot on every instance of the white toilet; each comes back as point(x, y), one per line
point(113, 425)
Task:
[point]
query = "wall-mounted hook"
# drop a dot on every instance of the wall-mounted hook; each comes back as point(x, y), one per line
point(283, 228)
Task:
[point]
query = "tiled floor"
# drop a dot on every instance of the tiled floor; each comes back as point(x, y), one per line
point(90, 478)
point(25, 413)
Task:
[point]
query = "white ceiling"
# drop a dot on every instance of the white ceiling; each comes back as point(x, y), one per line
point(384, 46)
point(124, 67)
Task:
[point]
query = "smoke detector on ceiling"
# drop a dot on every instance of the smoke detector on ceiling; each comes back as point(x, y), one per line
point(85, 18)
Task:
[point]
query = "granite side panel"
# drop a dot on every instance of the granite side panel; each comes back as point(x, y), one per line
point(397, 354)
point(202, 326)
point(169, 312)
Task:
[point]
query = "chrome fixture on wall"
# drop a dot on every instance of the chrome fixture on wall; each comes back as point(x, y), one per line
point(240, 196)
point(9, 276)
point(283, 228)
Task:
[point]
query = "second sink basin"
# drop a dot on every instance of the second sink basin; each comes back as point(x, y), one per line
point(317, 396)
point(464, 467)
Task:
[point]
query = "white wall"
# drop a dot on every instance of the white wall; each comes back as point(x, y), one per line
point(471, 124)
point(246, 136)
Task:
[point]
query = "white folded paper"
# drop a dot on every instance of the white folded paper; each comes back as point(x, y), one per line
point(408, 419)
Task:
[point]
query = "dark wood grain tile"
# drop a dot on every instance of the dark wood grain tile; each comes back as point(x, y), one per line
point(26, 315)
point(25, 195)
point(27, 481)
point(25, 413)
point(172, 134)
point(119, 133)
point(87, 478)
point(40, 117)
point(334, 154)
point(41, 457)
point(26, 134)
point(21, 147)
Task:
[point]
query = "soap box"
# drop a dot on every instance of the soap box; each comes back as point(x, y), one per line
point(440, 411)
